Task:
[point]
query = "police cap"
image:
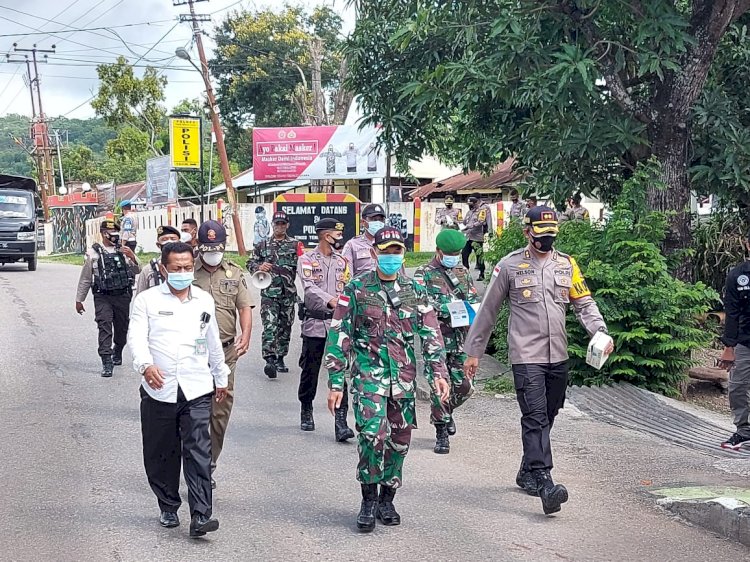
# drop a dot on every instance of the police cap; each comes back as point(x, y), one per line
point(448, 199)
point(541, 220)
point(167, 229)
point(329, 223)
point(109, 224)
point(373, 210)
point(212, 237)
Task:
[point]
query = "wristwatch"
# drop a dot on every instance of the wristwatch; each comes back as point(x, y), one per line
point(603, 329)
point(142, 368)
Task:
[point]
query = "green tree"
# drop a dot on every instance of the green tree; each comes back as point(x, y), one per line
point(126, 100)
point(278, 68)
point(578, 91)
point(126, 156)
point(79, 163)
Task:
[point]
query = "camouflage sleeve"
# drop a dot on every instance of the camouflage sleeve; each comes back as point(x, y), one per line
point(338, 344)
point(428, 330)
point(254, 262)
point(583, 303)
point(435, 298)
point(472, 296)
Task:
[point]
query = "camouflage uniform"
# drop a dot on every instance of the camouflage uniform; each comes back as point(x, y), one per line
point(436, 279)
point(277, 300)
point(374, 340)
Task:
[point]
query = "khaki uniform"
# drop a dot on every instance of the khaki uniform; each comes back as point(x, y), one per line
point(322, 279)
point(448, 218)
point(148, 277)
point(228, 288)
point(574, 214)
point(538, 294)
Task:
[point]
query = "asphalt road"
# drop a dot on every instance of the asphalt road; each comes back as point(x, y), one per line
point(72, 484)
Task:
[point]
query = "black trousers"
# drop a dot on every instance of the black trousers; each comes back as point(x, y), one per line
point(310, 361)
point(540, 390)
point(112, 315)
point(478, 249)
point(174, 435)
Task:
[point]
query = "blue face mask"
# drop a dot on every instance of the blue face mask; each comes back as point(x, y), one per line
point(450, 261)
point(181, 280)
point(374, 226)
point(390, 263)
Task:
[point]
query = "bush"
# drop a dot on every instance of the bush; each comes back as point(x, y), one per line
point(718, 245)
point(653, 317)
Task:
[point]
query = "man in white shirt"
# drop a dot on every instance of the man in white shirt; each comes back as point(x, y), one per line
point(176, 348)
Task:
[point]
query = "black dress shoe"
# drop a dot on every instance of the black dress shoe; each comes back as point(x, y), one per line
point(281, 366)
point(169, 519)
point(200, 525)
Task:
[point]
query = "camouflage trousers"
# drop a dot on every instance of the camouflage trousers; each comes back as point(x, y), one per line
point(384, 425)
point(277, 315)
point(461, 390)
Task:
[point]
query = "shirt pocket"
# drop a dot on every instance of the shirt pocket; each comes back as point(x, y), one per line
point(229, 289)
point(373, 322)
point(562, 288)
point(527, 289)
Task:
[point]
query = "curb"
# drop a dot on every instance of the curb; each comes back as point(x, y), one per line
point(725, 516)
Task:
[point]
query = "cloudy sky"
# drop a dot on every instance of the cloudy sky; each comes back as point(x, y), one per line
point(147, 29)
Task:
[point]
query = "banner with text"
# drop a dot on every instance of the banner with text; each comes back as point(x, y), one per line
point(306, 209)
point(317, 153)
point(185, 143)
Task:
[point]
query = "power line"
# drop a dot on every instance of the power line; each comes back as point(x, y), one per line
point(90, 29)
point(18, 93)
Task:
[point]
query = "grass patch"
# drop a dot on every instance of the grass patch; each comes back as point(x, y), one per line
point(500, 385)
point(415, 259)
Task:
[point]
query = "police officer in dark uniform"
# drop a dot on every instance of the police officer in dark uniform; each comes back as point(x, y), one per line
point(110, 269)
point(736, 356)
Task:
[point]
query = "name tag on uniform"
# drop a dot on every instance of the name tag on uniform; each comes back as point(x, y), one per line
point(201, 346)
point(462, 313)
point(165, 313)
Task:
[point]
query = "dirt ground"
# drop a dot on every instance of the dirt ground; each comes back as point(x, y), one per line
point(708, 394)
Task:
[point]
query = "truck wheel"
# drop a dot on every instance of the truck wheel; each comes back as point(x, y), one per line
point(32, 263)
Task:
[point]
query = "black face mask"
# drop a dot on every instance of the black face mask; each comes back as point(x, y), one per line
point(449, 205)
point(337, 243)
point(113, 237)
point(543, 243)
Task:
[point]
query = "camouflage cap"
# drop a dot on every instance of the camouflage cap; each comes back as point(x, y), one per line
point(388, 236)
point(212, 237)
point(541, 220)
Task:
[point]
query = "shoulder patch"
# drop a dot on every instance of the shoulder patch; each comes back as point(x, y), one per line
point(343, 301)
point(496, 271)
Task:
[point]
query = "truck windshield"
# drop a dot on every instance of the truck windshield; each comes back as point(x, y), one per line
point(16, 206)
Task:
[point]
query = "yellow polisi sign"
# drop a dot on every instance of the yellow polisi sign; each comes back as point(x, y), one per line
point(185, 143)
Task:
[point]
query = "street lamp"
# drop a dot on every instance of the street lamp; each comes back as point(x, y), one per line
point(181, 53)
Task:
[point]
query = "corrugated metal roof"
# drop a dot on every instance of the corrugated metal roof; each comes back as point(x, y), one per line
point(473, 181)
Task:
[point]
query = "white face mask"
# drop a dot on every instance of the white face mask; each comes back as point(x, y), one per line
point(186, 237)
point(212, 258)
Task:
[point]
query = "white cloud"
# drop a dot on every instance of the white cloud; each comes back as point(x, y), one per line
point(69, 78)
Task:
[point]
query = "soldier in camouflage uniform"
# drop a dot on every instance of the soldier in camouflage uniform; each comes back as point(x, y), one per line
point(448, 217)
point(372, 337)
point(447, 281)
point(277, 256)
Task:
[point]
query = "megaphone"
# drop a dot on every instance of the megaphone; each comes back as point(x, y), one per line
point(261, 280)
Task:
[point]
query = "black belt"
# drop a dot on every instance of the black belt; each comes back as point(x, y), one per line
point(318, 314)
point(226, 344)
point(114, 293)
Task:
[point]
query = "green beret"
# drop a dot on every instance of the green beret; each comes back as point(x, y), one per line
point(450, 241)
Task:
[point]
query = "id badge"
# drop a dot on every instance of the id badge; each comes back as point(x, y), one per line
point(201, 346)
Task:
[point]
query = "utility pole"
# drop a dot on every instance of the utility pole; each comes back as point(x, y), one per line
point(39, 130)
point(215, 120)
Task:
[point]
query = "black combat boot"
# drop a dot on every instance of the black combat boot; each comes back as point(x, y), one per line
point(117, 356)
point(525, 480)
point(366, 517)
point(343, 431)
point(442, 444)
point(307, 423)
point(280, 366)
point(107, 366)
point(452, 426)
point(553, 495)
point(270, 368)
point(386, 511)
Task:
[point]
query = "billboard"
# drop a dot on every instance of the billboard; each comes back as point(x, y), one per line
point(161, 181)
point(185, 143)
point(305, 209)
point(317, 153)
